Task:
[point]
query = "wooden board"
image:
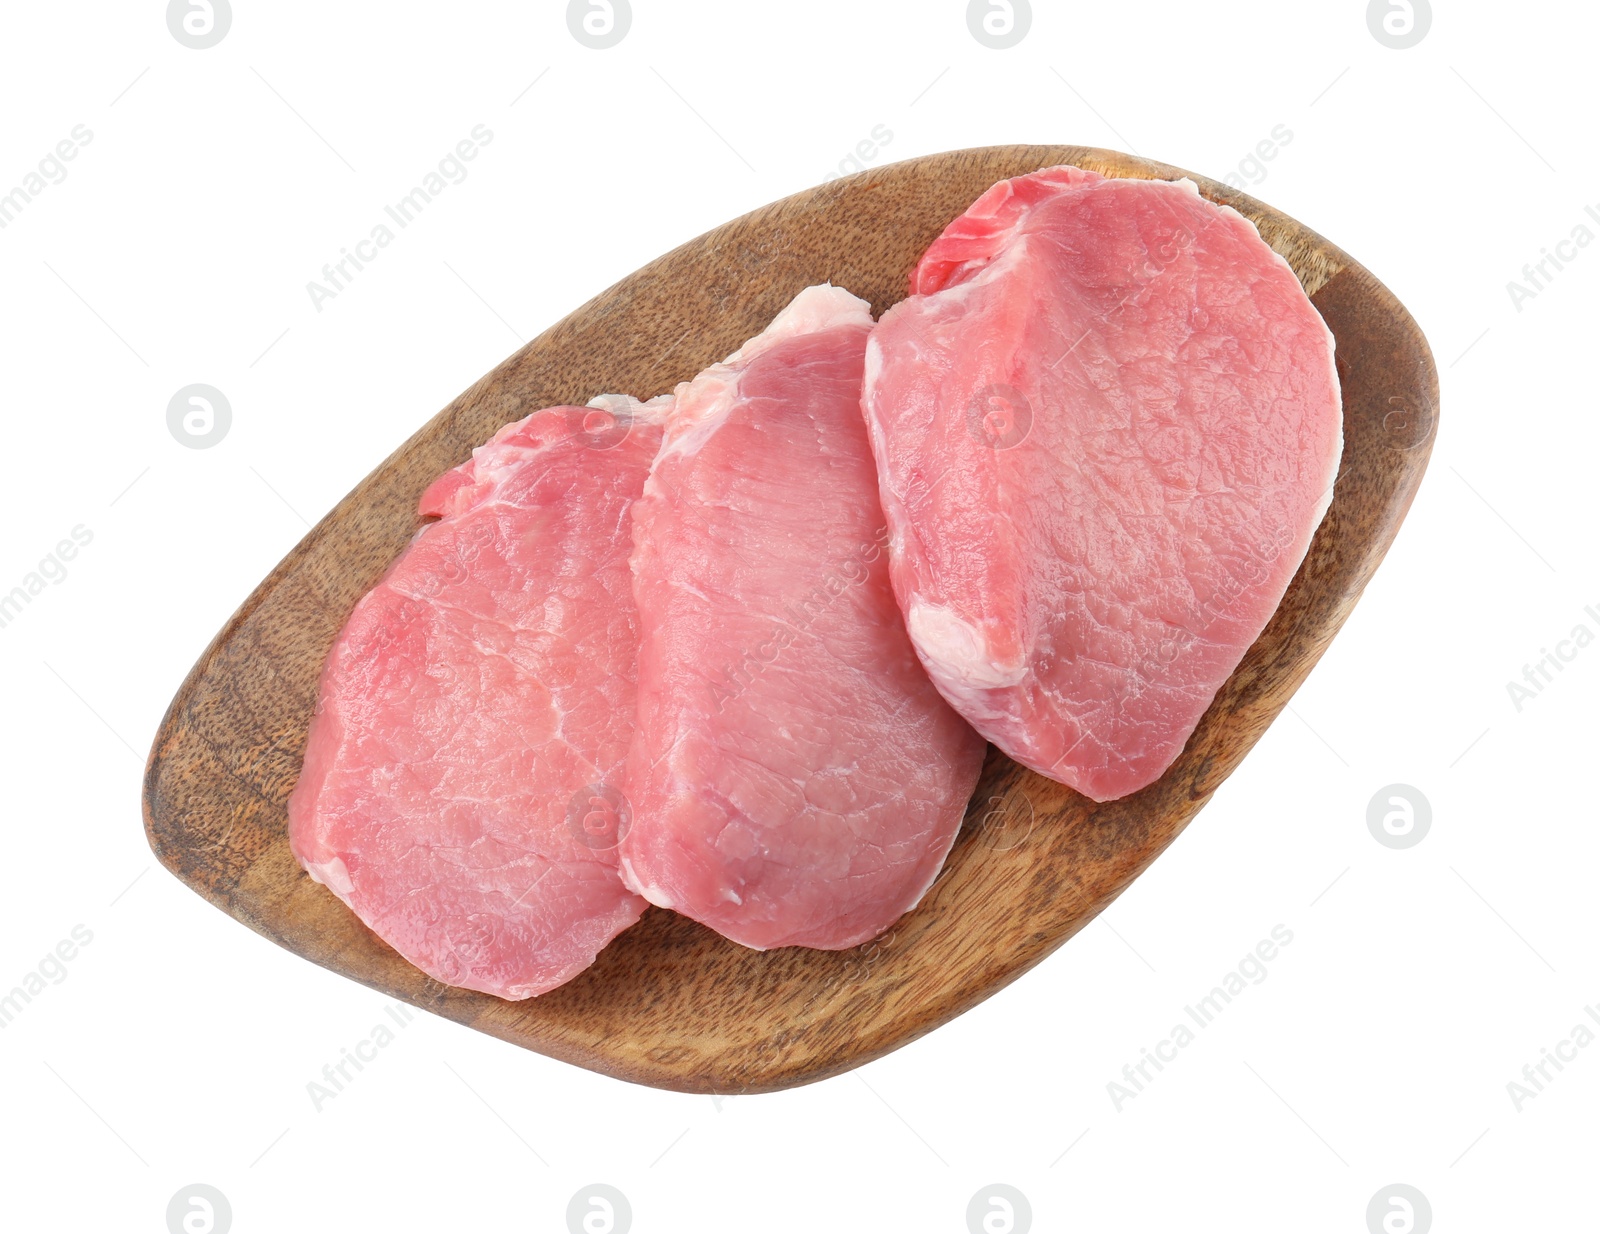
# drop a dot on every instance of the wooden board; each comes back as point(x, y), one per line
point(669, 1003)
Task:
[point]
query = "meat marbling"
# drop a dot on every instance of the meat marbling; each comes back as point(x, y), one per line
point(1106, 424)
point(460, 789)
point(795, 779)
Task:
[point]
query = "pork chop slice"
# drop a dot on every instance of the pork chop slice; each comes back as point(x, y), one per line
point(1106, 424)
point(795, 779)
point(462, 772)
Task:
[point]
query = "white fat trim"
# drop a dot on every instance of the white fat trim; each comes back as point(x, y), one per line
point(703, 404)
point(959, 648)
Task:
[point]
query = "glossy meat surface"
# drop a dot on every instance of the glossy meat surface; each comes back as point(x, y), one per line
point(795, 778)
point(1106, 423)
point(460, 790)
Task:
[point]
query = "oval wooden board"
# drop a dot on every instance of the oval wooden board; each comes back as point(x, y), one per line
point(670, 1003)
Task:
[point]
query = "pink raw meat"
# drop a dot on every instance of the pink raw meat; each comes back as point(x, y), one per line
point(1106, 423)
point(795, 779)
point(461, 777)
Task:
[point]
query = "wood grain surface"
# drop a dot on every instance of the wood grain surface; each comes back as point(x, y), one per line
point(670, 1003)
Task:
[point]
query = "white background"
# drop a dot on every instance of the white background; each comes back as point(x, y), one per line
point(177, 250)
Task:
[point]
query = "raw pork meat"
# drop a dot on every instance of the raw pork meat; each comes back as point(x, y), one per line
point(795, 779)
point(1106, 425)
point(460, 790)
